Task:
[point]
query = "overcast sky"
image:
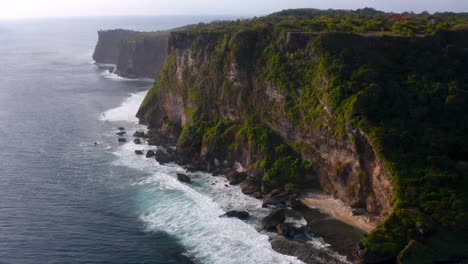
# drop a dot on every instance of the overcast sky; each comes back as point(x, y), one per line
point(53, 8)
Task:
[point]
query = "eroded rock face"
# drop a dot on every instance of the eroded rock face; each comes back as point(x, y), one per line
point(143, 55)
point(275, 218)
point(107, 49)
point(250, 186)
point(164, 157)
point(235, 177)
point(135, 54)
point(347, 165)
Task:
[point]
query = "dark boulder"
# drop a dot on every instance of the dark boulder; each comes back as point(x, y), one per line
point(121, 140)
point(238, 214)
point(183, 178)
point(276, 217)
point(150, 153)
point(137, 141)
point(275, 197)
point(250, 186)
point(289, 230)
point(121, 128)
point(163, 157)
point(139, 152)
point(234, 177)
point(139, 134)
point(121, 133)
point(285, 229)
point(295, 203)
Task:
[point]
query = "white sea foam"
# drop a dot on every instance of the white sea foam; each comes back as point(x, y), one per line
point(182, 211)
point(191, 212)
point(126, 111)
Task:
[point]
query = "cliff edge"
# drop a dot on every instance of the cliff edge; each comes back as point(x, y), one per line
point(377, 121)
point(135, 54)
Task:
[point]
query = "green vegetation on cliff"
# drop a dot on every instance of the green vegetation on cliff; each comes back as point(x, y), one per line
point(408, 95)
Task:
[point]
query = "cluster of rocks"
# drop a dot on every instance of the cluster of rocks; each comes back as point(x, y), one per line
point(163, 156)
point(120, 134)
point(276, 221)
point(281, 199)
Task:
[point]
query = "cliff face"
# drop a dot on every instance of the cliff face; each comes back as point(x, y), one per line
point(352, 114)
point(142, 56)
point(107, 49)
point(347, 165)
point(135, 54)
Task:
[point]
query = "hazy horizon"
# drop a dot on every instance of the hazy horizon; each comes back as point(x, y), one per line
point(21, 9)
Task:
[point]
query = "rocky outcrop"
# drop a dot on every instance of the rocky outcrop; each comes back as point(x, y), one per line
point(143, 55)
point(134, 54)
point(237, 214)
point(150, 153)
point(109, 43)
point(275, 218)
point(183, 178)
point(349, 168)
point(256, 98)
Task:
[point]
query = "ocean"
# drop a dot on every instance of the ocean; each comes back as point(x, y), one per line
point(64, 199)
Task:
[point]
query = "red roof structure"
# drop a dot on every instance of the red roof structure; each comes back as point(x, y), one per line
point(398, 17)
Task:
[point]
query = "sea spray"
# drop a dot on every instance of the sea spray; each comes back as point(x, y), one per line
point(191, 212)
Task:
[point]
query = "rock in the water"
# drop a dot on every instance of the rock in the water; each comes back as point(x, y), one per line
point(121, 140)
point(163, 157)
point(275, 218)
point(121, 133)
point(139, 134)
point(238, 214)
point(150, 153)
point(289, 230)
point(183, 178)
point(121, 128)
point(137, 141)
point(250, 186)
point(235, 177)
point(139, 152)
point(275, 198)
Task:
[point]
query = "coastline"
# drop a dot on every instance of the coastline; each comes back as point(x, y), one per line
point(307, 251)
point(339, 210)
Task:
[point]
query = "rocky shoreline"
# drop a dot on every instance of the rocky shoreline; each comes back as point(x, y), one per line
point(286, 237)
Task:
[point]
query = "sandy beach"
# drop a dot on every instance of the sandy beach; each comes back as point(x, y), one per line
point(338, 209)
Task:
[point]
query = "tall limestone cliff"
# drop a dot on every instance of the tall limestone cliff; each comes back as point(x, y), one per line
point(379, 122)
point(107, 49)
point(135, 54)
